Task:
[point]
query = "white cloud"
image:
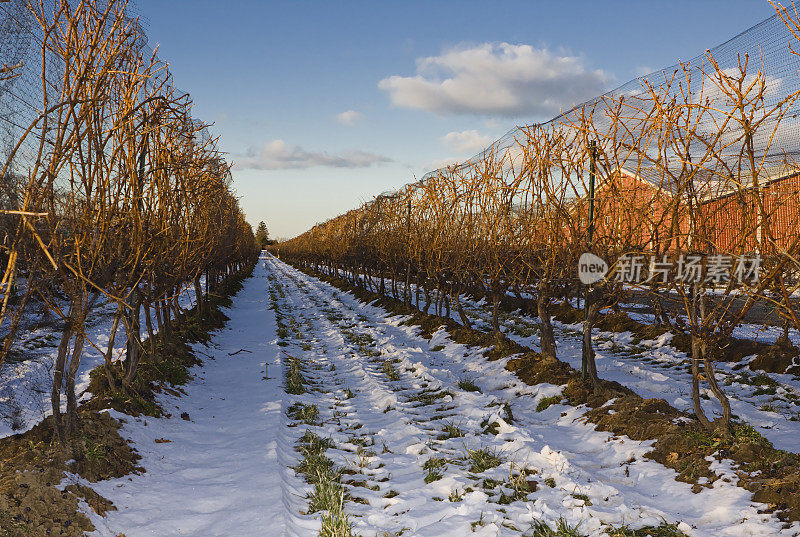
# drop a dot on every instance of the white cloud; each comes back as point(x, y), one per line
point(279, 155)
point(496, 79)
point(350, 117)
point(495, 123)
point(467, 141)
point(440, 163)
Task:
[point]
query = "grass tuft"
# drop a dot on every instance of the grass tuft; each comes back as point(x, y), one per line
point(468, 385)
point(313, 465)
point(520, 483)
point(662, 530)
point(294, 380)
point(307, 414)
point(744, 433)
point(429, 397)
point(763, 380)
point(388, 369)
point(546, 402)
point(434, 468)
point(450, 430)
point(328, 494)
point(563, 529)
point(483, 459)
point(336, 525)
point(312, 443)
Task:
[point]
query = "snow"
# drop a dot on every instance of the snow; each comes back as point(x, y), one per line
point(220, 473)
point(229, 471)
point(27, 384)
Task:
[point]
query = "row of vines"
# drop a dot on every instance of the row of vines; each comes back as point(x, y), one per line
point(110, 190)
point(693, 160)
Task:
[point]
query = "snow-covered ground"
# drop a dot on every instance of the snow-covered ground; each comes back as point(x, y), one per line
point(220, 473)
point(653, 368)
point(25, 385)
point(229, 470)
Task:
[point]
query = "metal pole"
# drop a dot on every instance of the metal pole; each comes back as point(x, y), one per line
point(589, 233)
point(592, 170)
point(407, 291)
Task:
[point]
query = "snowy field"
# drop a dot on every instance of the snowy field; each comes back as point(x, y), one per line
point(25, 385)
point(431, 438)
point(655, 369)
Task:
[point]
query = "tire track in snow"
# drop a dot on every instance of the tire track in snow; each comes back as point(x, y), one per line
point(587, 477)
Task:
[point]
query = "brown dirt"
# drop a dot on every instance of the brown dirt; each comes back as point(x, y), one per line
point(98, 504)
point(532, 368)
point(31, 468)
point(778, 358)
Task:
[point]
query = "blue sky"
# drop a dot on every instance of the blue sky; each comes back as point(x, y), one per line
point(323, 105)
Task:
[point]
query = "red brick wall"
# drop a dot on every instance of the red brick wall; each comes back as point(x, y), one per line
point(635, 215)
point(734, 218)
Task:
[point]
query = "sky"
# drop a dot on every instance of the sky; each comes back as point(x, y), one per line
point(321, 106)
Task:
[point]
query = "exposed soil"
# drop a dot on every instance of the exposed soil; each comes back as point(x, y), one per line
point(32, 468)
point(778, 358)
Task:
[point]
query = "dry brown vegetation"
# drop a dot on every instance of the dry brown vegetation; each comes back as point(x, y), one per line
point(671, 161)
point(110, 190)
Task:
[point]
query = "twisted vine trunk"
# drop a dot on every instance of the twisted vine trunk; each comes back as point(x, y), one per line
point(496, 312)
point(455, 293)
point(58, 377)
point(73, 326)
point(198, 294)
point(698, 346)
point(109, 354)
point(592, 311)
point(133, 327)
point(547, 338)
point(74, 364)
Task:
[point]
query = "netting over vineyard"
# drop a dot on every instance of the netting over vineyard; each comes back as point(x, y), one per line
point(701, 156)
point(109, 186)
point(22, 77)
point(759, 59)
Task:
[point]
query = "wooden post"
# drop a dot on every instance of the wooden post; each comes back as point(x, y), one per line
point(589, 234)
